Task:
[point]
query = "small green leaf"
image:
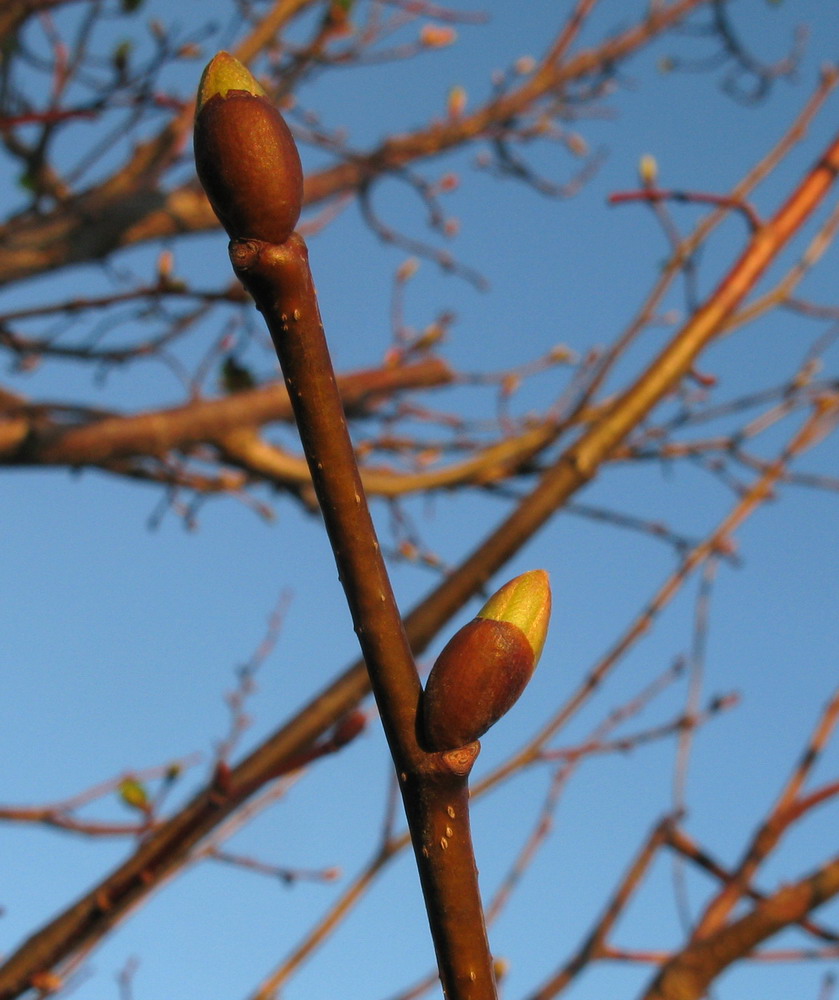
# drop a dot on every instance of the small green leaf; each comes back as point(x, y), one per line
point(134, 795)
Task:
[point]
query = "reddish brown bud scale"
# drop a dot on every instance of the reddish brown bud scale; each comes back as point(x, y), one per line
point(477, 678)
point(245, 155)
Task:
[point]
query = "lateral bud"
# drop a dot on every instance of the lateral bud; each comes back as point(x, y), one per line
point(245, 155)
point(485, 666)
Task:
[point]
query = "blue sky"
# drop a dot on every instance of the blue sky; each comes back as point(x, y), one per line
point(118, 642)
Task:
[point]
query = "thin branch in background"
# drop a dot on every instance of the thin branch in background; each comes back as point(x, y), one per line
point(762, 75)
point(653, 529)
point(828, 987)
point(387, 234)
point(270, 986)
point(246, 680)
point(594, 945)
point(790, 805)
point(629, 743)
point(288, 876)
point(739, 194)
point(64, 814)
point(689, 972)
point(505, 162)
point(657, 195)
point(681, 843)
point(696, 672)
point(125, 978)
point(570, 760)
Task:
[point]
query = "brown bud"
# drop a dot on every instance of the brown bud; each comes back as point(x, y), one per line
point(485, 666)
point(246, 158)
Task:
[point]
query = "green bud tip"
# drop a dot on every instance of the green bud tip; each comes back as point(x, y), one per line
point(222, 74)
point(525, 602)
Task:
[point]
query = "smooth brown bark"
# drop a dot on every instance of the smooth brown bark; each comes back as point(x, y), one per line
point(434, 786)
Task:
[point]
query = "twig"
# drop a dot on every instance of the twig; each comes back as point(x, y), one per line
point(789, 806)
point(655, 195)
point(433, 785)
point(594, 946)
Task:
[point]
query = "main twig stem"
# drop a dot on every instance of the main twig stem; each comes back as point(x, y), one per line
point(434, 785)
point(278, 276)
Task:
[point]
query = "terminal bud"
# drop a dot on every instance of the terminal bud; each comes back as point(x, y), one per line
point(245, 155)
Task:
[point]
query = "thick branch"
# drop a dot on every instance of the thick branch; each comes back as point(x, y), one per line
point(688, 974)
point(29, 437)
